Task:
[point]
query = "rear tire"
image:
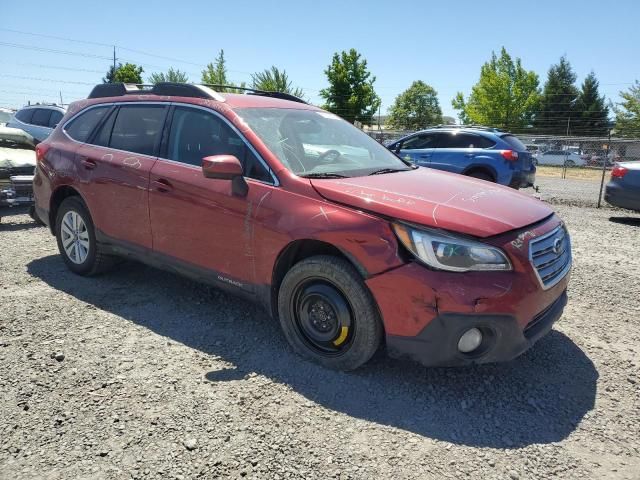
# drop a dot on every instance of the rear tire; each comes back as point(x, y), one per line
point(482, 176)
point(75, 234)
point(327, 313)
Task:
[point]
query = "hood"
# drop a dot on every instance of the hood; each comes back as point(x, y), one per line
point(439, 200)
point(16, 158)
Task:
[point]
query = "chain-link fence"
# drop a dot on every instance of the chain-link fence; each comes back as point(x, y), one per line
point(570, 169)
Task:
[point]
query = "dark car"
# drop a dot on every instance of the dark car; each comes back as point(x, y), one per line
point(290, 206)
point(479, 152)
point(623, 190)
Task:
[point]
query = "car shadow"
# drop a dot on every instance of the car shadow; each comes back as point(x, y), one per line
point(631, 221)
point(7, 225)
point(538, 398)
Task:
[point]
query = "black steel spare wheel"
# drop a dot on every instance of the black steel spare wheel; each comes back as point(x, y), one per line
point(323, 316)
point(328, 314)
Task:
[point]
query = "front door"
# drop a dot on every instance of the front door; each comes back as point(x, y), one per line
point(199, 221)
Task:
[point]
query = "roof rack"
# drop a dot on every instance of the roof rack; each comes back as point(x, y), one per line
point(478, 127)
point(205, 90)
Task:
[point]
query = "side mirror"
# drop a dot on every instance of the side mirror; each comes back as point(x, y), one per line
point(221, 167)
point(226, 167)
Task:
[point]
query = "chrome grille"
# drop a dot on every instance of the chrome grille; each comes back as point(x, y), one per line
point(550, 256)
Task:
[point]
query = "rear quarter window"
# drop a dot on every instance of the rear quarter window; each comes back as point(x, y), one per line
point(55, 118)
point(514, 142)
point(80, 128)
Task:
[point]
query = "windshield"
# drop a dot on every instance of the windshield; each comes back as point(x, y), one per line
point(313, 143)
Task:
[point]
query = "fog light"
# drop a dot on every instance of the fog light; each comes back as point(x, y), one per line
point(470, 340)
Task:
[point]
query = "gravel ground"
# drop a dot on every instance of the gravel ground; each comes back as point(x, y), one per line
point(143, 374)
point(582, 192)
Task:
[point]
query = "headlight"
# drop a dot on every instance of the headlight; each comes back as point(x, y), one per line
point(448, 252)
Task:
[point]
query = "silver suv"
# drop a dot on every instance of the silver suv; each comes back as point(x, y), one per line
point(38, 120)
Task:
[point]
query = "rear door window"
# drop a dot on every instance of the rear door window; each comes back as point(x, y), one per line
point(41, 117)
point(81, 127)
point(25, 115)
point(461, 140)
point(137, 128)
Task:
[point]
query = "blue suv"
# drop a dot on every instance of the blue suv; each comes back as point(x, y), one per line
point(480, 152)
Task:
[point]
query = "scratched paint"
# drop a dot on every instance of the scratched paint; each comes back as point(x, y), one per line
point(325, 214)
point(133, 162)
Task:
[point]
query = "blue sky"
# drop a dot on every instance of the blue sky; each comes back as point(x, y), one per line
point(441, 43)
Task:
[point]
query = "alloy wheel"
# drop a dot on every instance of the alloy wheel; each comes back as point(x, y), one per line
point(75, 237)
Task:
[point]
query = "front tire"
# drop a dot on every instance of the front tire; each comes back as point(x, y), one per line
point(75, 234)
point(327, 313)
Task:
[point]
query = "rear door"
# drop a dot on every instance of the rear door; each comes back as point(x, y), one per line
point(418, 149)
point(198, 221)
point(119, 157)
point(455, 151)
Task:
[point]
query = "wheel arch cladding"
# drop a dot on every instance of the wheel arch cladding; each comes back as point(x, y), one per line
point(57, 198)
point(297, 251)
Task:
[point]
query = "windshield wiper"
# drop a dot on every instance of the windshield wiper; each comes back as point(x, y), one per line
point(389, 170)
point(322, 175)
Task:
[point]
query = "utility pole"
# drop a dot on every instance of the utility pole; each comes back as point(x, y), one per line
point(114, 59)
point(604, 167)
point(61, 104)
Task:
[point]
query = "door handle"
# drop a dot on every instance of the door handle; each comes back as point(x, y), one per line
point(162, 185)
point(88, 163)
point(425, 155)
point(469, 155)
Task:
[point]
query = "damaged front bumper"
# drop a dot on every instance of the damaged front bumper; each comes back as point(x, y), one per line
point(503, 339)
point(426, 312)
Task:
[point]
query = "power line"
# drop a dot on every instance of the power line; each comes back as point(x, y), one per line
point(46, 79)
point(51, 50)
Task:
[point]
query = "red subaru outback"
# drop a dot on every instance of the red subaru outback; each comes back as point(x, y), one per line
point(284, 203)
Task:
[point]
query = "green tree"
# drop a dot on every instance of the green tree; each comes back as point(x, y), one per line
point(628, 112)
point(591, 109)
point(172, 75)
point(558, 103)
point(350, 93)
point(216, 74)
point(127, 73)
point(111, 74)
point(506, 95)
point(415, 108)
point(275, 80)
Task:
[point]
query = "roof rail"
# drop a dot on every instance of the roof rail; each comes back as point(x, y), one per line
point(478, 127)
point(255, 91)
point(204, 90)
